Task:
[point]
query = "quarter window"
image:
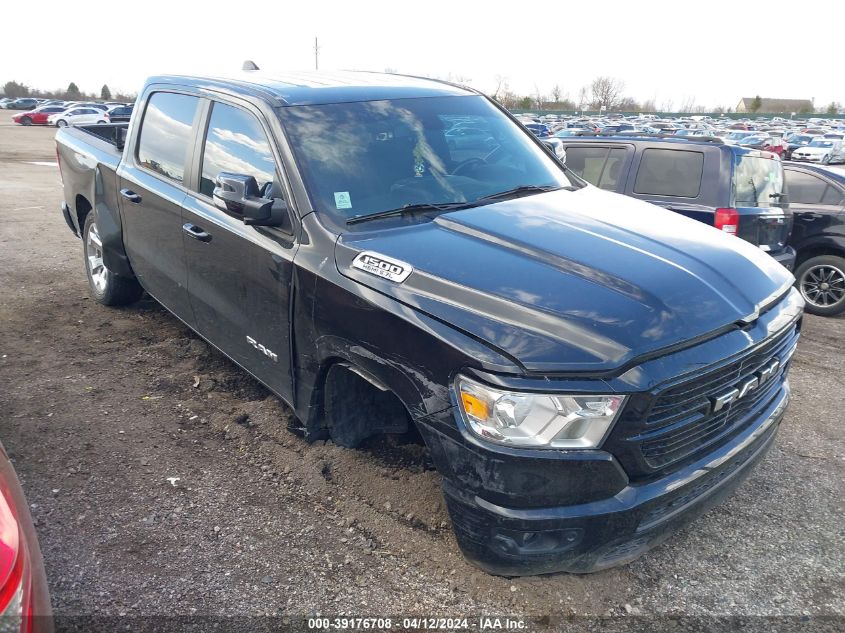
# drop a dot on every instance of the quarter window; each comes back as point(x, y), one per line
point(669, 172)
point(166, 134)
point(235, 143)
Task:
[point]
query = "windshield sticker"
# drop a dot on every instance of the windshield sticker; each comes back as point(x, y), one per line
point(342, 200)
point(382, 266)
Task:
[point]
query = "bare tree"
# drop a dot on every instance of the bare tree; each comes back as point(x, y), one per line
point(606, 91)
point(583, 98)
point(688, 104)
point(501, 86)
point(556, 93)
point(649, 106)
point(538, 97)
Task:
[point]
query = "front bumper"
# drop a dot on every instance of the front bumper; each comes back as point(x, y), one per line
point(608, 530)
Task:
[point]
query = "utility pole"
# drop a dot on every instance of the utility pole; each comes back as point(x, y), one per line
point(316, 55)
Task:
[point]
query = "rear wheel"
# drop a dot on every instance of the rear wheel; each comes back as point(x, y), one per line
point(106, 287)
point(821, 281)
point(61, 123)
point(26, 121)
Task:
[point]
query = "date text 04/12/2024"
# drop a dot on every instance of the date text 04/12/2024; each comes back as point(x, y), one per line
point(483, 623)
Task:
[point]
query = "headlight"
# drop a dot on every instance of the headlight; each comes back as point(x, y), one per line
point(532, 420)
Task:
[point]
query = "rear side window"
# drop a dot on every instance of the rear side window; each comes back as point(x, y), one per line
point(587, 162)
point(235, 143)
point(599, 166)
point(166, 133)
point(670, 172)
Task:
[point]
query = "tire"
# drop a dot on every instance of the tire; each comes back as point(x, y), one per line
point(101, 122)
point(821, 281)
point(826, 159)
point(26, 121)
point(105, 286)
point(61, 123)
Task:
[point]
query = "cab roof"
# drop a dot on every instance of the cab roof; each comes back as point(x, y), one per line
point(321, 87)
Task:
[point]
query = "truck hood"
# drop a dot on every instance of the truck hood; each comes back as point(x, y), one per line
point(570, 281)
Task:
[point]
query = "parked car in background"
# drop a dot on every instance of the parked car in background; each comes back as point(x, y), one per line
point(22, 104)
point(821, 150)
point(817, 199)
point(24, 597)
point(77, 116)
point(735, 189)
point(763, 142)
point(38, 116)
point(796, 141)
point(119, 114)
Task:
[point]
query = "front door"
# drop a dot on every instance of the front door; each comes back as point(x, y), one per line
point(239, 276)
point(152, 193)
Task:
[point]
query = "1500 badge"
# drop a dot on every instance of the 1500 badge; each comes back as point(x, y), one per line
point(377, 264)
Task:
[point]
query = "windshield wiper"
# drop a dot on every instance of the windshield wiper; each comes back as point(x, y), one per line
point(523, 189)
point(410, 209)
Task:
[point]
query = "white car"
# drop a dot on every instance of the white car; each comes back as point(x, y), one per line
point(77, 116)
point(821, 150)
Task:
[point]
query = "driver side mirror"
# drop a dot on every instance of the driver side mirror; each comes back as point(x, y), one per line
point(238, 194)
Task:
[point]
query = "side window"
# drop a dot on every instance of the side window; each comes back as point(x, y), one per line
point(587, 162)
point(612, 170)
point(804, 188)
point(833, 195)
point(235, 143)
point(669, 172)
point(166, 133)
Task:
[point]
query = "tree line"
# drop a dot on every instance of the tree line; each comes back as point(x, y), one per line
point(609, 93)
point(16, 90)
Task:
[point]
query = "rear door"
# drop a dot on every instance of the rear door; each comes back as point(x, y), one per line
point(239, 276)
point(817, 203)
point(152, 191)
point(672, 177)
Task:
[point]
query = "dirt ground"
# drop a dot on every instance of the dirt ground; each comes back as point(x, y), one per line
point(163, 481)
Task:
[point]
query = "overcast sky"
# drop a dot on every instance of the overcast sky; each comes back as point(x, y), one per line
point(713, 52)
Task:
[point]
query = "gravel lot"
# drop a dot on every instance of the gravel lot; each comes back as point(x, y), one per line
point(163, 481)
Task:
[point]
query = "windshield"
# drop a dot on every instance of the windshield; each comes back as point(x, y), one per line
point(374, 156)
point(821, 143)
point(758, 182)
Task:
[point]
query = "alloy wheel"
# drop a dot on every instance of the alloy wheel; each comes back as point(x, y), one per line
point(823, 286)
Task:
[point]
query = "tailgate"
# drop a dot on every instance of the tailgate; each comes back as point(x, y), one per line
point(768, 228)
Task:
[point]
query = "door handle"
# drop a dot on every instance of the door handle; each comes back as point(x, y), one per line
point(130, 195)
point(196, 232)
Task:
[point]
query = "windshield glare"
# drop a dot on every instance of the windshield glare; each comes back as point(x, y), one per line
point(368, 157)
point(820, 143)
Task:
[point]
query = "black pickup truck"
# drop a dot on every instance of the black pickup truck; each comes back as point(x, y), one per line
point(587, 370)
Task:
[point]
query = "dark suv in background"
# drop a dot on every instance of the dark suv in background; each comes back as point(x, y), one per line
point(736, 189)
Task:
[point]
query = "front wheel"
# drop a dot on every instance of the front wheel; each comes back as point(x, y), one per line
point(821, 281)
point(61, 123)
point(826, 159)
point(106, 287)
point(26, 121)
point(101, 122)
